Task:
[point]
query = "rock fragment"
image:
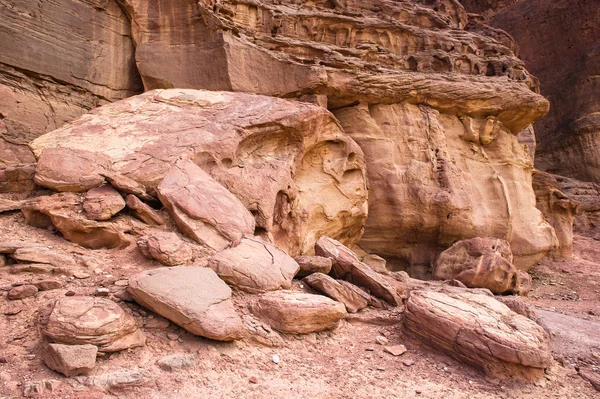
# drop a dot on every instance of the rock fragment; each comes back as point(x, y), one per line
point(176, 362)
point(143, 211)
point(354, 300)
point(67, 169)
point(22, 292)
point(70, 360)
point(313, 264)
point(102, 203)
point(166, 247)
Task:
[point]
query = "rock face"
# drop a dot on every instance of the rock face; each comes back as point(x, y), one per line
point(90, 320)
point(353, 299)
point(191, 297)
point(478, 330)
point(289, 163)
point(347, 266)
point(202, 208)
point(587, 194)
point(558, 209)
point(255, 266)
point(559, 43)
point(481, 263)
point(298, 313)
point(70, 360)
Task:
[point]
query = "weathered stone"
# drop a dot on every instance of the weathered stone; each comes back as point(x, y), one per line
point(102, 203)
point(352, 299)
point(191, 297)
point(126, 185)
point(66, 169)
point(480, 331)
point(175, 362)
point(202, 208)
point(22, 292)
point(7, 205)
point(347, 266)
point(47, 285)
point(395, 350)
point(289, 163)
point(90, 320)
point(70, 360)
point(143, 211)
point(40, 254)
point(479, 263)
point(375, 262)
point(298, 313)
point(558, 209)
point(119, 379)
point(166, 247)
point(255, 266)
point(312, 264)
point(18, 178)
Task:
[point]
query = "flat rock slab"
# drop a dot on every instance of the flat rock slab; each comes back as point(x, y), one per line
point(202, 208)
point(102, 203)
point(353, 299)
point(313, 264)
point(194, 298)
point(166, 247)
point(480, 331)
point(81, 320)
point(143, 211)
point(255, 266)
point(298, 313)
point(347, 266)
point(70, 360)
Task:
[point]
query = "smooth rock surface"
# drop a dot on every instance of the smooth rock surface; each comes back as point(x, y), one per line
point(97, 321)
point(354, 300)
point(192, 297)
point(70, 360)
point(255, 266)
point(480, 331)
point(298, 313)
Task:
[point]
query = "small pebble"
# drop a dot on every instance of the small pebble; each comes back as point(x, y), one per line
point(253, 380)
point(172, 336)
point(408, 362)
point(276, 359)
point(381, 340)
point(70, 293)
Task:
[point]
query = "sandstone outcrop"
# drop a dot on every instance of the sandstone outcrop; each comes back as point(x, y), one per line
point(478, 330)
point(191, 297)
point(202, 208)
point(587, 194)
point(482, 263)
point(90, 320)
point(558, 209)
point(297, 312)
point(289, 163)
point(353, 299)
point(347, 266)
point(255, 266)
point(70, 360)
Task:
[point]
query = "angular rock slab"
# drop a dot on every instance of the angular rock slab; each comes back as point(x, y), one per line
point(313, 264)
point(347, 266)
point(354, 300)
point(102, 203)
point(298, 313)
point(194, 298)
point(481, 262)
point(480, 331)
point(288, 162)
point(166, 247)
point(70, 360)
point(202, 208)
point(143, 211)
point(255, 266)
point(80, 320)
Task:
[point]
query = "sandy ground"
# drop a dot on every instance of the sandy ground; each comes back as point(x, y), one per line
point(344, 363)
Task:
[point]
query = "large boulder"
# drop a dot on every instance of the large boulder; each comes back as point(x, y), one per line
point(202, 208)
point(297, 312)
point(255, 266)
point(480, 331)
point(81, 320)
point(288, 162)
point(192, 297)
point(347, 266)
point(481, 263)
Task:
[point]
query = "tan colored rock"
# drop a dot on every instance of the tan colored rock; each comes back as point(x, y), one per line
point(22, 292)
point(70, 360)
point(587, 194)
point(192, 297)
point(126, 185)
point(102, 203)
point(312, 264)
point(66, 169)
point(298, 313)
point(439, 177)
point(347, 266)
point(288, 162)
point(48, 284)
point(353, 300)
point(97, 321)
point(41, 254)
point(64, 211)
point(7, 204)
point(202, 208)
point(166, 247)
point(255, 266)
point(558, 209)
point(143, 211)
point(375, 262)
point(480, 331)
point(480, 263)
